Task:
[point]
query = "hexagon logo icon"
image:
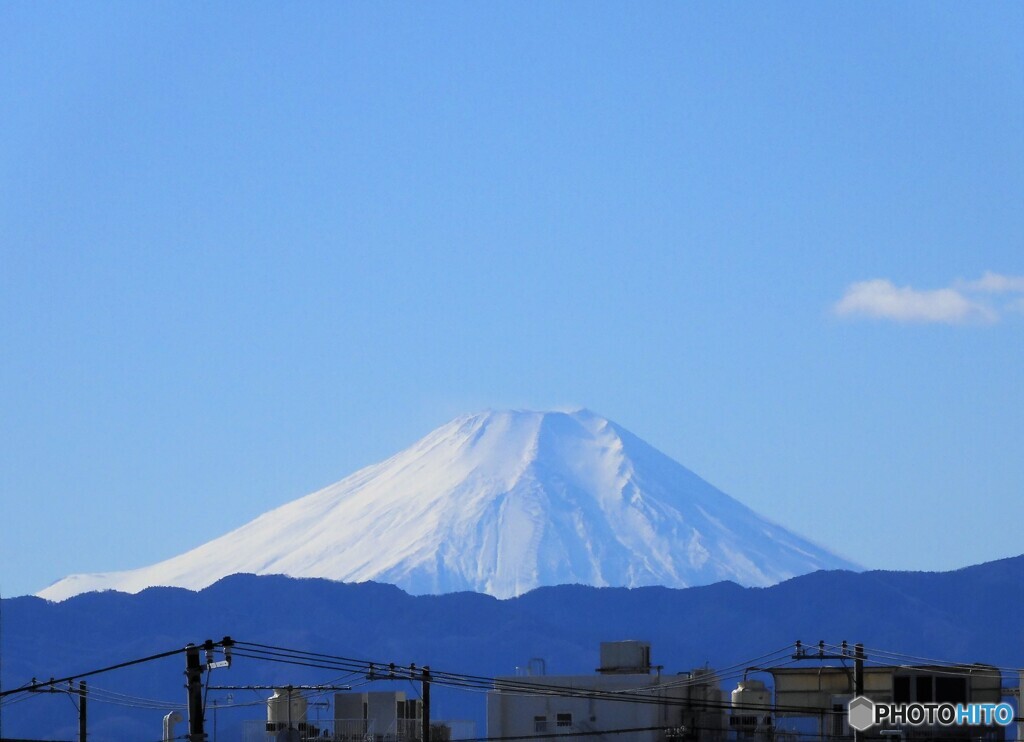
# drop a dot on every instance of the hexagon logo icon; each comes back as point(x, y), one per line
point(861, 713)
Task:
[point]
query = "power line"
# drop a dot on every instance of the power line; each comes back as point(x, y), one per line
point(284, 655)
point(398, 672)
point(978, 670)
point(933, 661)
point(35, 685)
point(475, 683)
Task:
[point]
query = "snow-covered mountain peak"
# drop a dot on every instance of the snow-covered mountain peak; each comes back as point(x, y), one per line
point(501, 502)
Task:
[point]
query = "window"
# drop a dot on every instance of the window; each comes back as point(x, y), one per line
point(563, 720)
point(413, 709)
point(924, 689)
point(950, 690)
point(901, 689)
point(540, 724)
point(838, 719)
point(928, 689)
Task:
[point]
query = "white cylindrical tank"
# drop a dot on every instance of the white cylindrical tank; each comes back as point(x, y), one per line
point(278, 708)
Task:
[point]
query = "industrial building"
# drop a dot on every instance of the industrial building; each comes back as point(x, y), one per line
point(814, 700)
point(628, 697)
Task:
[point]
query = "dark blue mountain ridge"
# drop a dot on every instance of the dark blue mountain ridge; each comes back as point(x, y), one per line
point(969, 615)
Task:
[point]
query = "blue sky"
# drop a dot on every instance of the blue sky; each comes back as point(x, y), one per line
point(246, 249)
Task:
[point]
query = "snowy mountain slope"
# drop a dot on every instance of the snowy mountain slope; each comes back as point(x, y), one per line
point(500, 503)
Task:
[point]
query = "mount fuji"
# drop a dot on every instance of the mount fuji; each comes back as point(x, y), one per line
point(501, 503)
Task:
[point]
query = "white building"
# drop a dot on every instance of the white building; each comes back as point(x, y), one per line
point(386, 716)
point(627, 693)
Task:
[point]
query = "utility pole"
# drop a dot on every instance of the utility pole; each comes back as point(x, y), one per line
point(1, 660)
point(81, 705)
point(858, 681)
point(426, 703)
point(81, 710)
point(194, 676)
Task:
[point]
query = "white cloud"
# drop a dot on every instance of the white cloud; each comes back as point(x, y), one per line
point(995, 283)
point(880, 299)
point(982, 301)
